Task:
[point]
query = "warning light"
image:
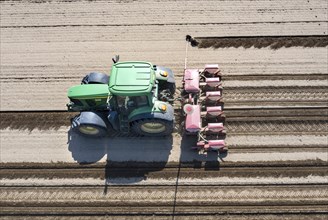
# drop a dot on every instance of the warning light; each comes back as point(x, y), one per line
point(163, 108)
point(165, 74)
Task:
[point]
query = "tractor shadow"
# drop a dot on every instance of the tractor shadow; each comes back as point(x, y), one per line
point(86, 150)
point(128, 160)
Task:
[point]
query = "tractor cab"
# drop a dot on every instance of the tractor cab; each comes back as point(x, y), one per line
point(131, 79)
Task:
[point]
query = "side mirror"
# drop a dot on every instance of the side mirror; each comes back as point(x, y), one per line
point(116, 58)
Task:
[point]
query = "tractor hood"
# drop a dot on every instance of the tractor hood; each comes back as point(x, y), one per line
point(87, 91)
point(131, 78)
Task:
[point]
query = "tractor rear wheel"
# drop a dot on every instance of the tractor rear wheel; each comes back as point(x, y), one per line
point(90, 124)
point(152, 127)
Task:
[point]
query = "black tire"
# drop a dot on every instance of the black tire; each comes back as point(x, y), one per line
point(152, 127)
point(95, 78)
point(90, 124)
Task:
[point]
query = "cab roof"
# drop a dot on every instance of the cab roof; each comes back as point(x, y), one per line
point(131, 78)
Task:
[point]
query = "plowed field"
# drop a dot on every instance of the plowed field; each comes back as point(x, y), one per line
point(273, 57)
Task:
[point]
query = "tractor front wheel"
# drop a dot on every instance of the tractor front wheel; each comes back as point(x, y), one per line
point(90, 130)
point(152, 127)
point(90, 124)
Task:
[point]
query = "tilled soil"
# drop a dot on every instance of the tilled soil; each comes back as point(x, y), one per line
point(192, 216)
point(237, 120)
point(114, 189)
point(209, 170)
point(47, 84)
point(165, 200)
point(274, 42)
point(164, 195)
point(275, 100)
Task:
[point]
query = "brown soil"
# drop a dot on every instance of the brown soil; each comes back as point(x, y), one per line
point(84, 214)
point(166, 173)
point(45, 47)
point(241, 121)
point(273, 42)
point(35, 120)
point(195, 169)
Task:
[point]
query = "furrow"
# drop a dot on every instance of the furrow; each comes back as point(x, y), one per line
point(160, 195)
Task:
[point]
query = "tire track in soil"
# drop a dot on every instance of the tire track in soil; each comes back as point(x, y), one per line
point(246, 200)
point(195, 169)
point(165, 212)
point(240, 121)
point(163, 195)
point(106, 172)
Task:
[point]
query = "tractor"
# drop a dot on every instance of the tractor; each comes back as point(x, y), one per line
point(138, 98)
point(135, 98)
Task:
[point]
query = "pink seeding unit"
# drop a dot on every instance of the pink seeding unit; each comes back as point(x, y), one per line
point(202, 108)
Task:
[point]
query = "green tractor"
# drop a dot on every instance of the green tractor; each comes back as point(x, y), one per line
point(136, 98)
